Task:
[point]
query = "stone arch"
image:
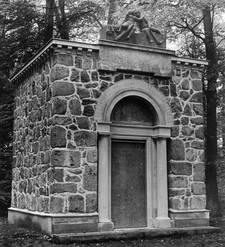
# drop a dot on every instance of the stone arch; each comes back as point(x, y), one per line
point(133, 87)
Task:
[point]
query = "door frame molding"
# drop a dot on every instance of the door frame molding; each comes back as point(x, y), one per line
point(155, 136)
point(156, 168)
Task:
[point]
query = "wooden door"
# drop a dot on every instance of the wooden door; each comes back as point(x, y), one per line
point(128, 198)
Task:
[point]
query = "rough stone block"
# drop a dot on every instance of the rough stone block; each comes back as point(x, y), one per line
point(178, 182)
point(198, 202)
point(96, 93)
point(59, 72)
point(180, 168)
point(184, 120)
point(94, 76)
point(56, 204)
point(177, 150)
point(61, 120)
point(88, 101)
point(75, 76)
point(176, 192)
point(199, 172)
point(198, 109)
point(175, 105)
point(90, 178)
point(83, 122)
point(72, 178)
point(92, 156)
point(184, 95)
point(85, 76)
point(187, 110)
point(91, 203)
point(197, 120)
point(58, 137)
point(89, 110)
point(76, 203)
point(58, 174)
point(197, 144)
point(75, 107)
point(87, 63)
point(62, 88)
point(198, 188)
point(187, 131)
point(197, 97)
point(63, 59)
point(174, 131)
point(191, 155)
point(63, 187)
point(59, 106)
point(83, 92)
point(78, 62)
point(85, 138)
point(199, 133)
point(195, 74)
point(175, 203)
point(185, 84)
point(43, 204)
point(69, 158)
point(197, 85)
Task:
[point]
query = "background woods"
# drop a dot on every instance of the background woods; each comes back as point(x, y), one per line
point(196, 27)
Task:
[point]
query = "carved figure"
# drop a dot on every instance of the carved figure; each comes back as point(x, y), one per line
point(134, 23)
point(129, 26)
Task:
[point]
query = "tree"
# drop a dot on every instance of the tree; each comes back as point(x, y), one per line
point(200, 19)
point(68, 19)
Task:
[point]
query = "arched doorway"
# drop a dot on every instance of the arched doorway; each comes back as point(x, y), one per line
point(133, 124)
point(129, 161)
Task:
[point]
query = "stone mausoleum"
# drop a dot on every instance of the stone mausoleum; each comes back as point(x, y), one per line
point(108, 137)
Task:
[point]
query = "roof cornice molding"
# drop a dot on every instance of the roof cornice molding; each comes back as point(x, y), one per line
point(43, 53)
point(189, 62)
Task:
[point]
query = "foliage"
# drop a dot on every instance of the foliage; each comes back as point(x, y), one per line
point(78, 19)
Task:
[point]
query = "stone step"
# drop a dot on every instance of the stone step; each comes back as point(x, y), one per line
point(130, 234)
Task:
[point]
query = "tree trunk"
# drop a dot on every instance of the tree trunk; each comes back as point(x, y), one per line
point(64, 25)
point(61, 20)
point(211, 124)
point(112, 9)
point(49, 20)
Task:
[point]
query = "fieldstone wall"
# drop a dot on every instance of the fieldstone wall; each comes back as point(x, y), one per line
point(32, 155)
point(55, 147)
point(186, 147)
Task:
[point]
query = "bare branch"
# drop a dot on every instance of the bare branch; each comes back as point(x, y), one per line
point(191, 29)
point(221, 40)
point(96, 19)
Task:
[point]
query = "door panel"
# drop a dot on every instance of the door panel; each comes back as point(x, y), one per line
point(128, 184)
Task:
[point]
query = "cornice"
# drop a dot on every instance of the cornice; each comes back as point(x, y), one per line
point(43, 54)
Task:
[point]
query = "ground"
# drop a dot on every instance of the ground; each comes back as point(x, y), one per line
point(11, 236)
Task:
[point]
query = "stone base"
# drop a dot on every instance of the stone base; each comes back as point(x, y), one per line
point(105, 226)
point(54, 223)
point(189, 218)
point(129, 234)
point(162, 223)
